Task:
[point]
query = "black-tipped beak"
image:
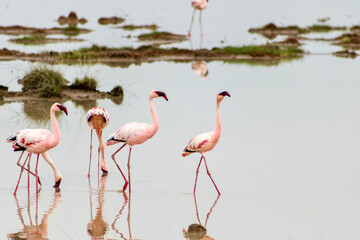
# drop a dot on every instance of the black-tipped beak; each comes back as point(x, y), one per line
point(63, 108)
point(224, 93)
point(162, 94)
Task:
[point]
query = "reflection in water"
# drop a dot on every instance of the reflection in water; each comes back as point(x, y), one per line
point(97, 227)
point(113, 225)
point(85, 104)
point(197, 231)
point(34, 230)
point(38, 111)
point(200, 67)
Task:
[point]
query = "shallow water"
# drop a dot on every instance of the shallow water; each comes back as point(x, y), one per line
point(286, 164)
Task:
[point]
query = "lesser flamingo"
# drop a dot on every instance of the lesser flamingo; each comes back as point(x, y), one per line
point(40, 141)
point(134, 133)
point(98, 118)
point(206, 141)
point(197, 5)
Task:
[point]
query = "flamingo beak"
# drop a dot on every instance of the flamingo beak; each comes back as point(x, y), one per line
point(63, 108)
point(162, 94)
point(224, 93)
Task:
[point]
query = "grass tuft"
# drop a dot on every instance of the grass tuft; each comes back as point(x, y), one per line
point(48, 81)
point(87, 83)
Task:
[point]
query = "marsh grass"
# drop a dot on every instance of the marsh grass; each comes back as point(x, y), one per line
point(262, 50)
point(30, 40)
point(87, 83)
point(48, 81)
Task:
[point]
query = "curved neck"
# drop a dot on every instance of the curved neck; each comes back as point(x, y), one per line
point(218, 122)
point(155, 119)
point(55, 127)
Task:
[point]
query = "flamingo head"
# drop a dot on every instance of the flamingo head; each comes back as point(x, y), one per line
point(221, 95)
point(156, 93)
point(59, 107)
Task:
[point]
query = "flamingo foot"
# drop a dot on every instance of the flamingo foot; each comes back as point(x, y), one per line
point(105, 172)
point(57, 183)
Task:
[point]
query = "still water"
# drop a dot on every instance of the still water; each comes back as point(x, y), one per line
point(287, 163)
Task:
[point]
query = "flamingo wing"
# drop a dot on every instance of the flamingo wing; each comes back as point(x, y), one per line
point(33, 140)
point(14, 136)
point(132, 133)
point(198, 143)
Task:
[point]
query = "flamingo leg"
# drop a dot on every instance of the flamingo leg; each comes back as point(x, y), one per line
point(22, 169)
point(117, 165)
point(90, 151)
point(201, 30)
point(192, 20)
point(197, 172)
point(27, 169)
point(36, 173)
point(28, 173)
point(208, 172)
point(104, 168)
point(128, 165)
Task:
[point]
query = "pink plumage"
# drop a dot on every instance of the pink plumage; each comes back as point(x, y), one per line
point(206, 141)
point(134, 133)
point(39, 141)
point(97, 119)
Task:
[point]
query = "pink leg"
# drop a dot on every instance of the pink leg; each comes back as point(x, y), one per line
point(192, 20)
point(113, 157)
point(128, 165)
point(27, 169)
point(197, 172)
point(22, 169)
point(28, 173)
point(90, 151)
point(36, 173)
point(202, 35)
point(208, 172)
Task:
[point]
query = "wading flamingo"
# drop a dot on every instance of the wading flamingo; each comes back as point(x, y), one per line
point(40, 141)
point(206, 141)
point(98, 118)
point(134, 133)
point(200, 67)
point(197, 5)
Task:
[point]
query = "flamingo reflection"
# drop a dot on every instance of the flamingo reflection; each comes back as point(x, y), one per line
point(34, 230)
point(200, 68)
point(97, 228)
point(197, 231)
point(113, 225)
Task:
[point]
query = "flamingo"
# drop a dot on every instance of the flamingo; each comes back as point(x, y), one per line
point(98, 118)
point(197, 5)
point(40, 141)
point(206, 141)
point(134, 133)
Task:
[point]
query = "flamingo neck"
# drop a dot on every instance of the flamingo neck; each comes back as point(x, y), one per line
point(56, 132)
point(217, 131)
point(155, 119)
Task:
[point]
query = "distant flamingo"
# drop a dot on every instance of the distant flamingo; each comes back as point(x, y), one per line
point(206, 141)
point(136, 133)
point(197, 5)
point(98, 118)
point(40, 141)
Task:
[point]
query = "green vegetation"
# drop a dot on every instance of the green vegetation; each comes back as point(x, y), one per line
point(87, 83)
point(133, 27)
point(263, 50)
point(152, 34)
point(324, 28)
point(29, 40)
point(48, 81)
